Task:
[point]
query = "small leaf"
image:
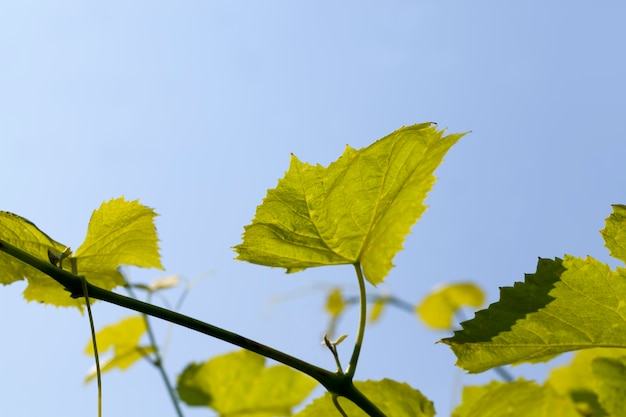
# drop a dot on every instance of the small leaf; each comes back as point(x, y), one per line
point(614, 232)
point(357, 210)
point(437, 310)
point(393, 398)
point(565, 306)
point(238, 383)
point(377, 308)
point(163, 283)
point(335, 304)
point(123, 338)
point(120, 232)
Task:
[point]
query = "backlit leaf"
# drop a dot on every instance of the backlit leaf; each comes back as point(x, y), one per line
point(393, 398)
point(123, 339)
point(120, 232)
point(610, 376)
point(565, 306)
point(514, 399)
point(238, 383)
point(614, 232)
point(358, 209)
point(25, 235)
point(335, 304)
point(437, 310)
point(577, 379)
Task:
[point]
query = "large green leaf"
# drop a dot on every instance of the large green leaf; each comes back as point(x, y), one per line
point(567, 305)
point(123, 339)
point(358, 209)
point(238, 383)
point(120, 232)
point(393, 398)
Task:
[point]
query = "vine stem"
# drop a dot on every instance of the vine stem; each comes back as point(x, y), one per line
point(362, 320)
point(335, 383)
point(158, 361)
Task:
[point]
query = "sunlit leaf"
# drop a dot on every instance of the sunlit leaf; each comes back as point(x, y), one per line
point(393, 398)
point(514, 399)
point(25, 235)
point(377, 308)
point(238, 383)
point(120, 233)
point(358, 209)
point(565, 306)
point(437, 310)
point(577, 379)
point(335, 304)
point(123, 339)
point(614, 232)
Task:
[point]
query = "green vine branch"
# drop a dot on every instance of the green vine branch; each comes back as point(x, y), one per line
point(335, 383)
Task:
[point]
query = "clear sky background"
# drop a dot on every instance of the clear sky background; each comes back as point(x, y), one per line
point(194, 107)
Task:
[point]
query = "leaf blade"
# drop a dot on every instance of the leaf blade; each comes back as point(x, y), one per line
point(358, 209)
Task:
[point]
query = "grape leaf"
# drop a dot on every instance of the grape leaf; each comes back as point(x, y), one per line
point(610, 376)
point(358, 209)
point(238, 383)
point(393, 398)
point(578, 381)
point(514, 399)
point(567, 305)
point(22, 233)
point(120, 232)
point(123, 338)
point(614, 232)
point(438, 308)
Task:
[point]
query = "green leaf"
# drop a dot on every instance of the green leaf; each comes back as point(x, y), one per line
point(25, 235)
point(437, 310)
point(578, 381)
point(120, 233)
point(335, 304)
point(614, 232)
point(393, 398)
point(610, 375)
point(567, 305)
point(514, 399)
point(358, 209)
point(123, 338)
point(238, 383)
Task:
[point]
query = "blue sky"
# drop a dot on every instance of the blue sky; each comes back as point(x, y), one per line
point(194, 108)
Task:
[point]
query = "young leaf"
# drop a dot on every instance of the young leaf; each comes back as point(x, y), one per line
point(120, 232)
point(567, 305)
point(393, 398)
point(514, 399)
point(123, 337)
point(238, 383)
point(437, 310)
point(358, 209)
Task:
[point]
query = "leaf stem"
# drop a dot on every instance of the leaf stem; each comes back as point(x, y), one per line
point(362, 320)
